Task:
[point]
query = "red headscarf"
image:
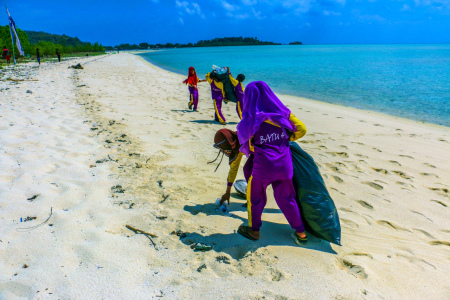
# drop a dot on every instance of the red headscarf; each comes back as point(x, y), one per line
point(192, 78)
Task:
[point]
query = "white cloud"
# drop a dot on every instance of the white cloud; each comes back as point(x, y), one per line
point(331, 13)
point(181, 4)
point(257, 14)
point(228, 6)
point(238, 16)
point(181, 21)
point(191, 9)
point(405, 7)
point(249, 2)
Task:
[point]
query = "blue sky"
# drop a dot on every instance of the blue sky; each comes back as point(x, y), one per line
point(310, 21)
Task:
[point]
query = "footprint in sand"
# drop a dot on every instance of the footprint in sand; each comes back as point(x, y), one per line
point(395, 162)
point(382, 171)
point(424, 233)
point(364, 204)
point(378, 150)
point(341, 154)
point(349, 223)
point(361, 155)
point(429, 165)
point(439, 202)
point(351, 268)
point(337, 179)
point(343, 146)
point(421, 263)
point(361, 254)
point(408, 156)
point(391, 225)
point(429, 174)
point(402, 175)
point(373, 185)
point(440, 191)
point(439, 243)
point(421, 214)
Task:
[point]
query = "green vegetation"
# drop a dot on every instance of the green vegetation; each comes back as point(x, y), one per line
point(296, 43)
point(227, 41)
point(47, 43)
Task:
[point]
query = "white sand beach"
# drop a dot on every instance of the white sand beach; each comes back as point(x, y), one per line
point(114, 145)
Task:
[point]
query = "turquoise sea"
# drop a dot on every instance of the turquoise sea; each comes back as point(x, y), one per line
point(410, 81)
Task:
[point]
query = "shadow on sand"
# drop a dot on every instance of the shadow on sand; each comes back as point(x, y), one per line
point(272, 234)
point(211, 122)
point(182, 110)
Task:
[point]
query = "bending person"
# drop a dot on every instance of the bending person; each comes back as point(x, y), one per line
point(238, 90)
point(227, 142)
point(192, 81)
point(218, 95)
point(266, 127)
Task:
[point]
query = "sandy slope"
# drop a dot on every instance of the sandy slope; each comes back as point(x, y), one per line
point(122, 121)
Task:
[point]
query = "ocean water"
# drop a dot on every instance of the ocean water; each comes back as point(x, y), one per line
point(409, 81)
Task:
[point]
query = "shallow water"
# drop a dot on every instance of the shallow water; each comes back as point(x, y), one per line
point(410, 81)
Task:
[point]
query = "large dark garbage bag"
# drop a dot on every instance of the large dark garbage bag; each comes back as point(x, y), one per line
point(227, 86)
point(318, 211)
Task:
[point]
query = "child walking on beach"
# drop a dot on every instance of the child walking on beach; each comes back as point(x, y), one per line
point(218, 95)
point(264, 132)
point(192, 81)
point(239, 91)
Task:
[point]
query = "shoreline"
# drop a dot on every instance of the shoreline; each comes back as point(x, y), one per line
point(404, 113)
point(337, 105)
point(114, 145)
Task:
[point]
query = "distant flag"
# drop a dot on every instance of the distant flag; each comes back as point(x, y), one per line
point(12, 28)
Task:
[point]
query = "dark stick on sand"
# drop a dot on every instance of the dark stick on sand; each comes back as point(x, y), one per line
point(138, 231)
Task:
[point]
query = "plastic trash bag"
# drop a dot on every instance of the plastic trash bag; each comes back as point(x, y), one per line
point(227, 87)
point(240, 186)
point(318, 211)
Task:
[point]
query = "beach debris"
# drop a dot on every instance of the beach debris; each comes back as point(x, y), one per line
point(138, 166)
point(39, 225)
point(77, 66)
point(108, 141)
point(148, 235)
point(164, 198)
point(223, 259)
point(24, 266)
point(94, 128)
point(161, 217)
point(29, 219)
point(134, 154)
point(201, 247)
point(33, 197)
point(179, 233)
point(111, 122)
point(11, 79)
point(160, 183)
point(100, 161)
point(199, 269)
point(29, 92)
point(81, 85)
point(117, 189)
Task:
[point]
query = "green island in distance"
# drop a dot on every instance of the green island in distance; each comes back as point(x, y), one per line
point(48, 43)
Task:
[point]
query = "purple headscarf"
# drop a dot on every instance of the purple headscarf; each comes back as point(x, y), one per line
point(260, 104)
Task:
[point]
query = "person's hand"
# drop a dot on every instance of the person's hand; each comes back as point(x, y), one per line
point(225, 197)
point(228, 69)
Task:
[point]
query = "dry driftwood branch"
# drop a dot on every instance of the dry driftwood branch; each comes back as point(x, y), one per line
point(138, 231)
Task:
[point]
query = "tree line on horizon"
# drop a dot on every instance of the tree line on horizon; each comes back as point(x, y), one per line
point(47, 43)
point(217, 42)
